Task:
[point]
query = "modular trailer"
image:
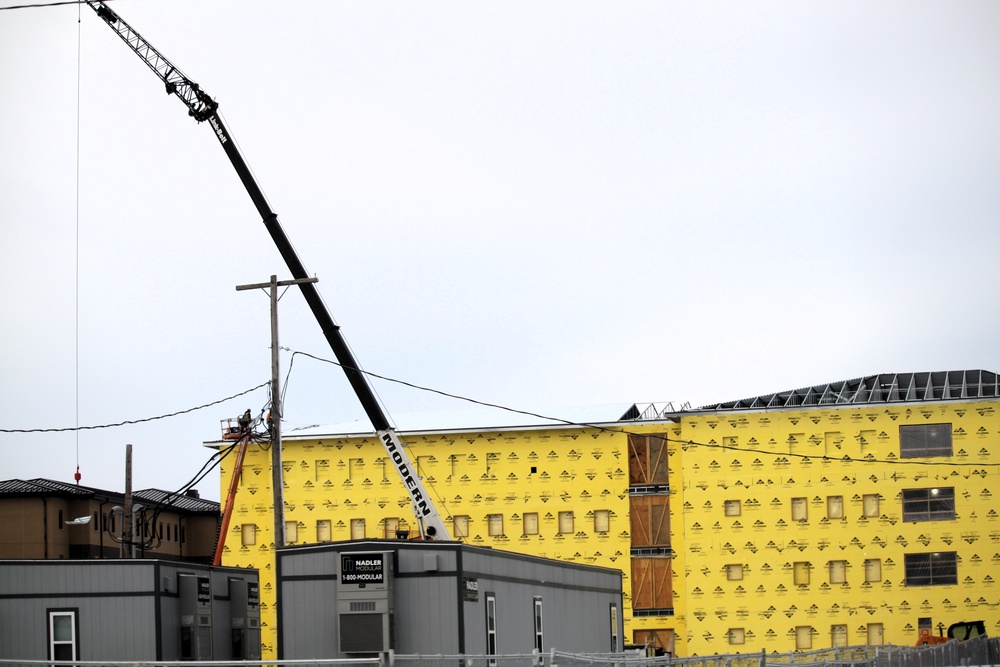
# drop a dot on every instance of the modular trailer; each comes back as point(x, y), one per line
point(127, 610)
point(361, 597)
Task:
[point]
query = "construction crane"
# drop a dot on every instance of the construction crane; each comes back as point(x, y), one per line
point(203, 108)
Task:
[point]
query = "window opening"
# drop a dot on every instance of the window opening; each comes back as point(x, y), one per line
point(869, 505)
point(491, 628)
point(838, 571)
point(835, 507)
point(530, 523)
point(873, 570)
point(614, 629)
point(800, 573)
point(929, 504)
point(538, 623)
point(62, 635)
point(924, 440)
point(800, 509)
point(931, 569)
point(324, 530)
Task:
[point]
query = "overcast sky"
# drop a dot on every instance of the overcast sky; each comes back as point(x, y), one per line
point(536, 204)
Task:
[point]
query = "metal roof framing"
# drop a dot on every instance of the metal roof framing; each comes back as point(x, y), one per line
point(875, 389)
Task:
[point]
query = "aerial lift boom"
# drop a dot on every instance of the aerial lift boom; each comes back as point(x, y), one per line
point(244, 436)
point(202, 107)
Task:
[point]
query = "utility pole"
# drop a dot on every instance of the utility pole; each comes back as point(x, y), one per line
point(127, 518)
point(276, 471)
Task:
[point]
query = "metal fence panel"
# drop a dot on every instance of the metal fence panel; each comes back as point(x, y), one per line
point(976, 652)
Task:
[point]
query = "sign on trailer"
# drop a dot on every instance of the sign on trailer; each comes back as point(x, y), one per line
point(362, 568)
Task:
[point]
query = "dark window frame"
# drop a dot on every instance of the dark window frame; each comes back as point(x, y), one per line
point(925, 440)
point(930, 504)
point(935, 568)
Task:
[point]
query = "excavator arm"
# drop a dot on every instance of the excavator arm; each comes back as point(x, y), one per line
point(202, 107)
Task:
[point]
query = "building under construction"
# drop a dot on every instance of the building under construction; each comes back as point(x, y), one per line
point(855, 512)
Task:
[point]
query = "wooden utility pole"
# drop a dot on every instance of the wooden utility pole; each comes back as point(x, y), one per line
point(276, 471)
point(128, 525)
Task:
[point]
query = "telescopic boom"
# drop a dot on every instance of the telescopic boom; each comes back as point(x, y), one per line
point(202, 107)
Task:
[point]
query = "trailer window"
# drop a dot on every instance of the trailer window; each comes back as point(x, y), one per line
point(491, 627)
point(538, 623)
point(63, 634)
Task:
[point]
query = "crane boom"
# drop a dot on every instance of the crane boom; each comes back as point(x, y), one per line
point(199, 105)
point(202, 107)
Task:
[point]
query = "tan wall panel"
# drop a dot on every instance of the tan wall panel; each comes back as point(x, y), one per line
point(647, 459)
point(652, 586)
point(650, 521)
point(22, 528)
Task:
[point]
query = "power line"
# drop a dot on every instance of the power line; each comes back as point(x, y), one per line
point(167, 501)
point(131, 421)
point(438, 391)
point(48, 4)
point(692, 443)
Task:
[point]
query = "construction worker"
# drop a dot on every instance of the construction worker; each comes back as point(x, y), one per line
point(245, 421)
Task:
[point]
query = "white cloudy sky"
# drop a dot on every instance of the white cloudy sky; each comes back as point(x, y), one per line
point(535, 204)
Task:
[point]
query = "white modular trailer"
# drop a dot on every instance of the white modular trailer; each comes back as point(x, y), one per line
point(365, 597)
point(127, 610)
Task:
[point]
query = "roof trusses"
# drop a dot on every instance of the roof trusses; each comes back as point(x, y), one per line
point(873, 389)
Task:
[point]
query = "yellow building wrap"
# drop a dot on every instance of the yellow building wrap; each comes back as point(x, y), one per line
point(737, 530)
point(794, 529)
point(535, 491)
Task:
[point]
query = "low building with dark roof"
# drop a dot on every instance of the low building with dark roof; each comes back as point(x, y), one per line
point(51, 520)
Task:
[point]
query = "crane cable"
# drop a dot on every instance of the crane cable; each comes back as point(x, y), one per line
point(79, 50)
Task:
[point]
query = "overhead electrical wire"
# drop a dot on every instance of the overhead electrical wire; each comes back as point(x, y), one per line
point(36, 5)
point(679, 441)
point(148, 524)
point(132, 421)
point(429, 390)
point(145, 524)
